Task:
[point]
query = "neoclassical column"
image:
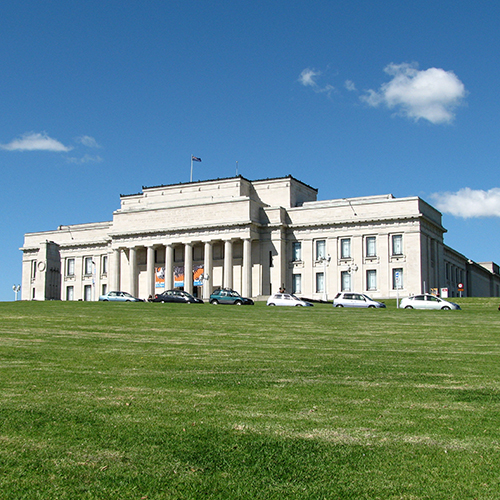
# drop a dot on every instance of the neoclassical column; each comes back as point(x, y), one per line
point(208, 267)
point(132, 261)
point(228, 264)
point(247, 268)
point(169, 266)
point(188, 267)
point(114, 281)
point(150, 271)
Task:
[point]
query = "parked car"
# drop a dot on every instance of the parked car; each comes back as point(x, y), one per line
point(179, 296)
point(427, 301)
point(286, 299)
point(228, 296)
point(119, 297)
point(350, 299)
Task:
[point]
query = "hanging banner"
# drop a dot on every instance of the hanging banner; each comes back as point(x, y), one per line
point(179, 276)
point(197, 275)
point(159, 277)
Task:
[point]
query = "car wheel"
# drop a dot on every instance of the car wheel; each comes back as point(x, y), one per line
point(105, 300)
point(271, 304)
point(371, 307)
point(214, 302)
point(446, 308)
point(408, 307)
point(163, 302)
point(238, 303)
point(339, 305)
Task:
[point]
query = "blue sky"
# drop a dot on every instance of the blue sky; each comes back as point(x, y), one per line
point(354, 98)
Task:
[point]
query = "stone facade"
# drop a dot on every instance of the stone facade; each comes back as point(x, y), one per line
point(255, 237)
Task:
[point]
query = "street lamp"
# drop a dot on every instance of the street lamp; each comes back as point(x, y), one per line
point(352, 269)
point(325, 261)
point(16, 289)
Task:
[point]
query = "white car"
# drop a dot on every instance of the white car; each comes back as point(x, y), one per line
point(350, 299)
point(286, 299)
point(426, 301)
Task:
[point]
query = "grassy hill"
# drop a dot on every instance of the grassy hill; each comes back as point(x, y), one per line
point(167, 401)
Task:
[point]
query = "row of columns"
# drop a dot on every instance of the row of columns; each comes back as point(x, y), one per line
point(188, 267)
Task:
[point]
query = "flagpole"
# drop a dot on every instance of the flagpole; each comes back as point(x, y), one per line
point(191, 177)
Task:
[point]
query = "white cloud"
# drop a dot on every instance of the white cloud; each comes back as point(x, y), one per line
point(33, 141)
point(468, 203)
point(85, 159)
point(88, 141)
point(308, 76)
point(431, 94)
point(349, 85)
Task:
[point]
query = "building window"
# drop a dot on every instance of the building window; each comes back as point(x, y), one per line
point(345, 281)
point(70, 267)
point(345, 248)
point(397, 244)
point(397, 279)
point(88, 266)
point(104, 264)
point(33, 269)
point(371, 279)
point(296, 251)
point(320, 282)
point(104, 289)
point(70, 293)
point(320, 249)
point(371, 246)
point(87, 292)
point(297, 283)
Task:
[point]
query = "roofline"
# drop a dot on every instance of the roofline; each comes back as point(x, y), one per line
point(219, 179)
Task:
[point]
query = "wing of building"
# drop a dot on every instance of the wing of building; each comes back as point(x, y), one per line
point(255, 237)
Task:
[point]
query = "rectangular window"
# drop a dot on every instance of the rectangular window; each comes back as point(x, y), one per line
point(33, 269)
point(70, 293)
point(88, 266)
point(104, 289)
point(397, 279)
point(87, 292)
point(320, 282)
point(70, 267)
point(320, 249)
point(345, 281)
point(345, 248)
point(296, 251)
point(297, 283)
point(371, 246)
point(371, 279)
point(104, 264)
point(397, 244)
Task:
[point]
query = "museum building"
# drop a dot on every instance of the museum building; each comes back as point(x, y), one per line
point(254, 237)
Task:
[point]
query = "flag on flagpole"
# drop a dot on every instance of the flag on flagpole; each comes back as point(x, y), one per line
point(194, 158)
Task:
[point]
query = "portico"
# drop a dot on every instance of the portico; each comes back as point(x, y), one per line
point(148, 268)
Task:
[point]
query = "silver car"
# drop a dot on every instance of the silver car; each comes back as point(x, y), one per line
point(119, 297)
point(350, 299)
point(286, 299)
point(426, 301)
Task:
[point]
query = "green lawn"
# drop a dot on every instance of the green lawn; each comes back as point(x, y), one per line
point(167, 401)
